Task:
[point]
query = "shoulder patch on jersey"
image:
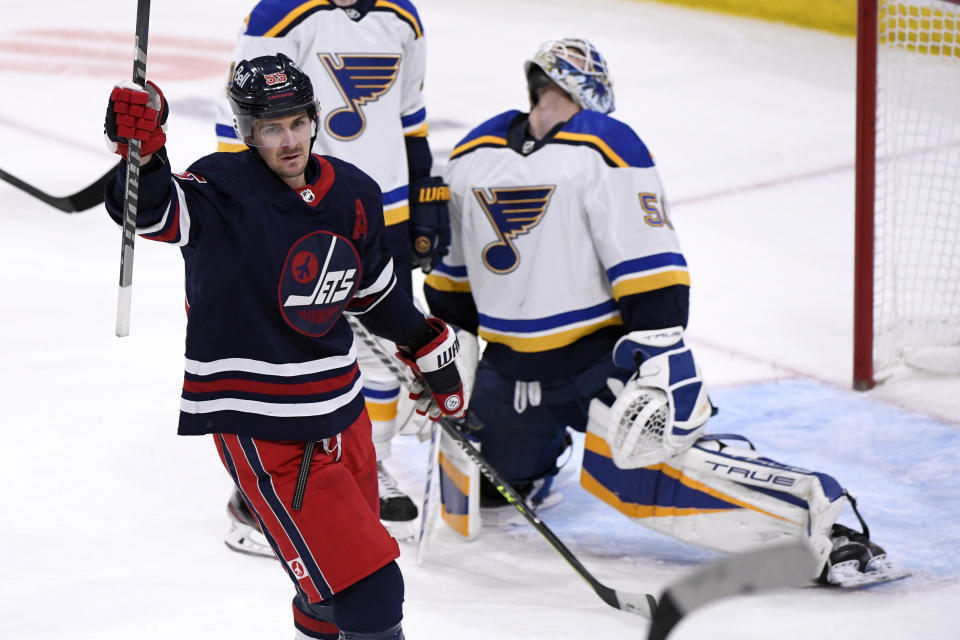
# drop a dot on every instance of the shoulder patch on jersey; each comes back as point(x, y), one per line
point(404, 10)
point(492, 133)
point(614, 140)
point(275, 18)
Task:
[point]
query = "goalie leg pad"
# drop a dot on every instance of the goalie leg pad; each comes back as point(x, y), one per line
point(459, 488)
point(718, 496)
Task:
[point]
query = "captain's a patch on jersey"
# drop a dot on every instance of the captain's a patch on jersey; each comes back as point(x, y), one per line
point(320, 277)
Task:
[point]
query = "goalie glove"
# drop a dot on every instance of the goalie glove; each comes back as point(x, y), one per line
point(437, 388)
point(663, 407)
point(136, 112)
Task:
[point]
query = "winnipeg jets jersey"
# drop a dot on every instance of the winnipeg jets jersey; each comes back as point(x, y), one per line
point(559, 245)
point(269, 272)
point(367, 66)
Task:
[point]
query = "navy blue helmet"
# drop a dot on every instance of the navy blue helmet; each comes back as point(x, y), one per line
point(269, 87)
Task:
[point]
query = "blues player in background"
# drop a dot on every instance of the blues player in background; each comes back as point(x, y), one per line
point(367, 60)
point(565, 260)
point(278, 244)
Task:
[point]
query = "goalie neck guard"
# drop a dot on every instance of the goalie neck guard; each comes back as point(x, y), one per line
point(270, 87)
point(576, 66)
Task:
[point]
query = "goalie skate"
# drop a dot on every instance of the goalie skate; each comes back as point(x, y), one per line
point(856, 561)
point(244, 535)
point(538, 496)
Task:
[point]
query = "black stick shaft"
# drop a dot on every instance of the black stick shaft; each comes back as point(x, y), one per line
point(133, 179)
point(82, 200)
point(639, 604)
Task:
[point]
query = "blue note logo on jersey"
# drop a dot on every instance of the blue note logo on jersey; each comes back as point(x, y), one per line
point(360, 78)
point(512, 211)
point(320, 276)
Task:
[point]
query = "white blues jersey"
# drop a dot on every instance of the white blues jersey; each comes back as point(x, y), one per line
point(559, 245)
point(367, 65)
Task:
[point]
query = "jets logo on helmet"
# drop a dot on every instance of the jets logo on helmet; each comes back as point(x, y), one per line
point(577, 67)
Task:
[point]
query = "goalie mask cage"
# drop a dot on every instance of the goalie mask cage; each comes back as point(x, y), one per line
point(907, 255)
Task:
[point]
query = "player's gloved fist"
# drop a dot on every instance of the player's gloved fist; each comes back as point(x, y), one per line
point(136, 112)
point(437, 388)
point(429, 222)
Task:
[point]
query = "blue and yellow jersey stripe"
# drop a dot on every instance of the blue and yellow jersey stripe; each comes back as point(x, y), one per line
point(227, 139)
point(492, 133)
point(447, 278)
point(275, 18)
point(404, 10)
point(649, 273)
point(381, 405)
point(613, 140)
point(414, 125)
point(396, 205)
point(552, 332)
point(476, 143)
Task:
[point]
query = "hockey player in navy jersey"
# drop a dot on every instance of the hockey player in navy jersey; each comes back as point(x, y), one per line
point(367, 60)
point(565, 260)
point(278, 245)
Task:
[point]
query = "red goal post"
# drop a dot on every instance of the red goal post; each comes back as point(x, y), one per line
point(907, 236)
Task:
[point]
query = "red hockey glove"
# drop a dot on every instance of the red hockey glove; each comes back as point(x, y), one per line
point(135, 112)
point(437, 388)
point(429, 222)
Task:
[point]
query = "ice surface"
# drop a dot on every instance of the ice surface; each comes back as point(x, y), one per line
point(112, 526)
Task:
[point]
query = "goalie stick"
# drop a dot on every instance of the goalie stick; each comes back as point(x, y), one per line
point(80, 201)
point(133, 179)
point(776, 567)
point(641, 604)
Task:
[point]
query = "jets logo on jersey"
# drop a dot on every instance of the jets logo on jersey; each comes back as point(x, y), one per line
point(320, 276)
point(512, 211)
point(360, 78)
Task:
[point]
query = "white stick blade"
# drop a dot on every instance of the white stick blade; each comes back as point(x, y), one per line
point(123, 311)
point(775, 567)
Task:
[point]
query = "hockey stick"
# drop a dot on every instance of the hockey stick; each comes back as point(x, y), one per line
point(427, 506)
point(641, 604)
point(779, 567)
point(133, 179)
point(80, 201)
